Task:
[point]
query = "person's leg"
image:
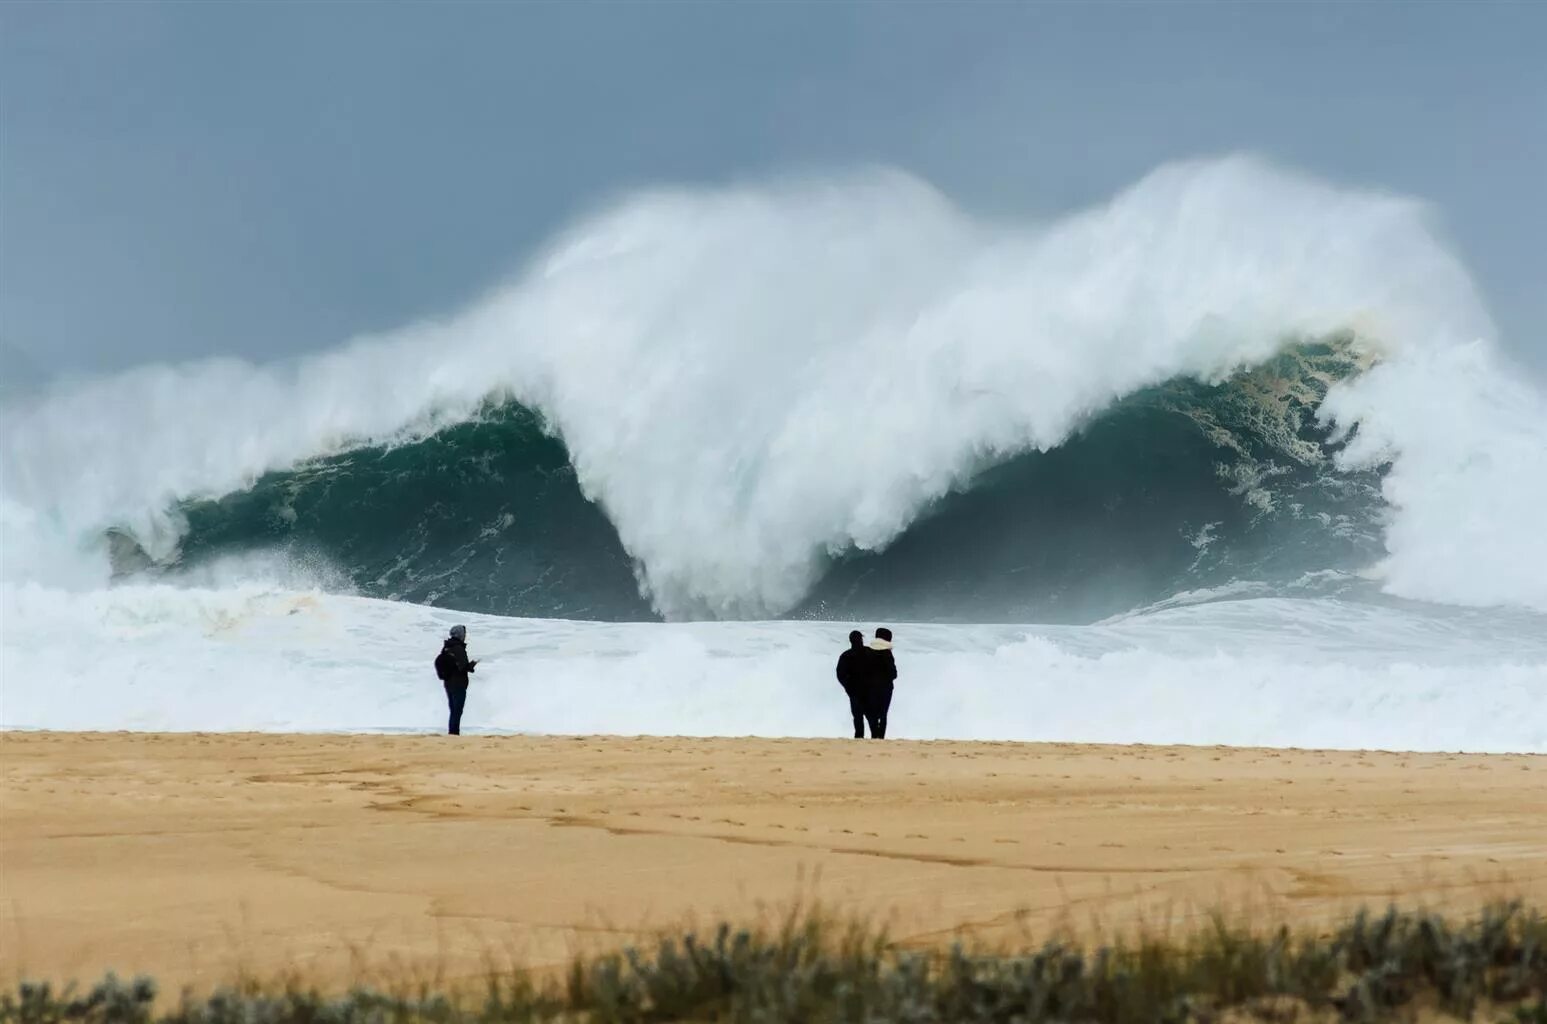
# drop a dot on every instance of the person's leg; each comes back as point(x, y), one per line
point(872, 720)
point(858, 712)
point(456, 698)
point(883, 705)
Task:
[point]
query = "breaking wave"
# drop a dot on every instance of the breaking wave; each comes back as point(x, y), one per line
point(843, 397)
point(1178, 487)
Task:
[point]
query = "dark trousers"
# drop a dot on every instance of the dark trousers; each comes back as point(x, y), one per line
point(879, 704)
point(857, 709)
point(456, 699)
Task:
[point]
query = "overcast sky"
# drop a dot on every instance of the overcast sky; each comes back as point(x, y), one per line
point(187, 179)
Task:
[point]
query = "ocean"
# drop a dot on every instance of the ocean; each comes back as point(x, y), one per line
point(1234, 457)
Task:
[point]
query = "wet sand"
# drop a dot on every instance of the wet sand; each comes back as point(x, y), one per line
point(198, 857)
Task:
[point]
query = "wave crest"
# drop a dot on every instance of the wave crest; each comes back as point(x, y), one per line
point(1176, 488)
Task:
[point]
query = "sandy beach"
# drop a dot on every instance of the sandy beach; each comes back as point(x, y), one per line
point(195, 857)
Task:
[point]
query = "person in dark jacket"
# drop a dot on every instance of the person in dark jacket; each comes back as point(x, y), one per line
point(453, 667)
point(880, 674)
point(851, 676)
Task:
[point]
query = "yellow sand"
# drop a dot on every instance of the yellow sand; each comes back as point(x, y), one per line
point(194, 857)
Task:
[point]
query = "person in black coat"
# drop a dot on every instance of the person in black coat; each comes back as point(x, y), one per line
point(880, 675)
point(851, 676)
point(453, 667)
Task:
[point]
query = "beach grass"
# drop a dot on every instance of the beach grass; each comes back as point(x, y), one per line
point(1374, 966)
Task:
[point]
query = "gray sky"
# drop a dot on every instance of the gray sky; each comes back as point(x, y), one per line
point(185, 179)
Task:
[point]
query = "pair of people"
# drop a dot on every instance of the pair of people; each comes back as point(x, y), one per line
point(867, 675)
point(453, 667)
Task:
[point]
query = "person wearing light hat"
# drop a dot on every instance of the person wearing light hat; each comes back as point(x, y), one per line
point(453, 667)
point(880, 674)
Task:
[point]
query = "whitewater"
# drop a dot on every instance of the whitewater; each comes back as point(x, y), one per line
point(755, 389)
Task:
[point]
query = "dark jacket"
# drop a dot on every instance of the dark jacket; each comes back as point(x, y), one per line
point(880, 670)
point(851, 669)
point(452, 664)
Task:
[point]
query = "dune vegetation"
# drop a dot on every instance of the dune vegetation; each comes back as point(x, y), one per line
point(1391, 965)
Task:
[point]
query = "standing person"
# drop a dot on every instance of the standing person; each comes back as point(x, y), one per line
point(852, 676)
point(453, 668)
point(880, 674)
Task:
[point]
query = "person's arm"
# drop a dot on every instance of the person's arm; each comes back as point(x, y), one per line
point(891, 669)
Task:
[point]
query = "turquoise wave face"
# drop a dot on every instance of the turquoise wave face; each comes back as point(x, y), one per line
point(1182, 487)
point(483, 516)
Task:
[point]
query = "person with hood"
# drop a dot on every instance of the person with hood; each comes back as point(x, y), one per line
point(851, 676)
point(880, 674)
point(453, 667)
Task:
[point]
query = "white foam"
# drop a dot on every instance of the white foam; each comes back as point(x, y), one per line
point(750, 379)
point(1468, 485)
point(1316, 673)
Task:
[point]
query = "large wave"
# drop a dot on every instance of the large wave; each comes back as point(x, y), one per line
point(1178, 487)
point(723, 403)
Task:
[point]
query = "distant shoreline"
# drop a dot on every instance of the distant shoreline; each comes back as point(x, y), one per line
point(431, 732)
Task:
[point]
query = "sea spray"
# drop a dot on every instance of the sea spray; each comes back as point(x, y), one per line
point(752, 380)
